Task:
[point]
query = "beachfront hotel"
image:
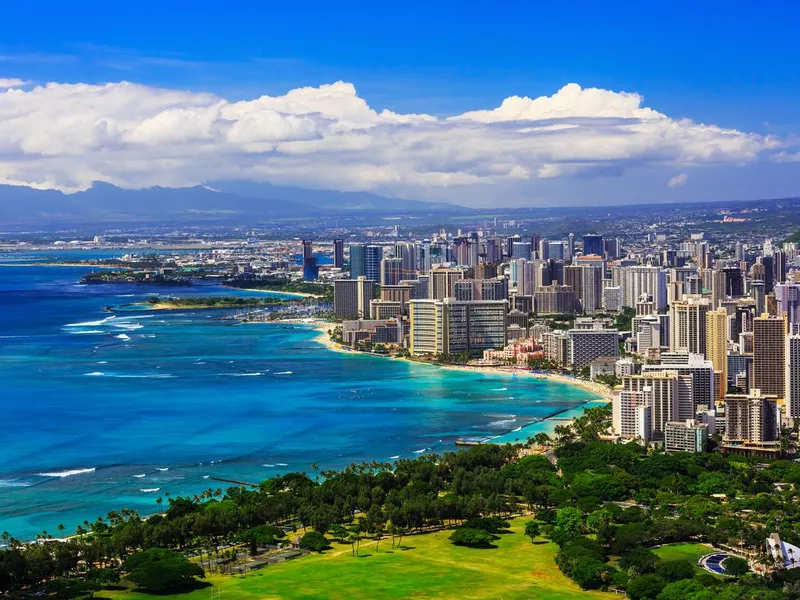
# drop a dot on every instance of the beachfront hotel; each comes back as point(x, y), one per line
point(450, 326)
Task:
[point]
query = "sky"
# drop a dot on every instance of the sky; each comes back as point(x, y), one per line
point(513, 104)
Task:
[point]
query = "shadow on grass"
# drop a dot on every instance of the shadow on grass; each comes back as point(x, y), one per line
point(186, 589)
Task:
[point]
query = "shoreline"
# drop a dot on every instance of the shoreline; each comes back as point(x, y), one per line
point(263, 291)
point(604, 394)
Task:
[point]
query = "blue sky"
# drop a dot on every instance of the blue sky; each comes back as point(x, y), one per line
point(711, 62)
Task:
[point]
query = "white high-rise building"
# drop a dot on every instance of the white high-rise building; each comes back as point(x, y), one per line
point(688, 325)
point(640, 280)
point(671, 396)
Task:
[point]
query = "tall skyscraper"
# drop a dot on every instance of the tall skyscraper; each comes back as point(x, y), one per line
point(593, 244)
point(338, 254)
point(751, 417)
point(793, 375)
point(787, 296)
point(769, 354)
point(717, 347)
point(441, 284)
point(373, 255)
point(688, 325)
point(358, 261)
point(308, 249)
point(351, 297)
point(391, 271)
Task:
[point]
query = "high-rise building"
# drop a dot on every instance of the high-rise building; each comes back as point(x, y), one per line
point(717, 347)
point(338, 254)
point(593, 244)
point(391, 271)
point(641, 280)
point(442, 282)
point(466, 289)
point(407, 253)
point(769, 354)
point(555, 299)
point(751, 417)
point(688, 325)
point(373, 255)
point(358, 261)
point(486, 270)
point(587, 282)
point(632, 414)
point(586, 345)
point(351, 297)
point(793, 375)
point(787, 296)
point(699, 369)
point(450, 326)
point(670, 395)
point(494, 289)
point(308, 249)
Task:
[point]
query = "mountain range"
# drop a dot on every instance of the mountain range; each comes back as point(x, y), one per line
point(224, 201)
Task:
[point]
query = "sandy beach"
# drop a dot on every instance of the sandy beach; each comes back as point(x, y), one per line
point(282, 293)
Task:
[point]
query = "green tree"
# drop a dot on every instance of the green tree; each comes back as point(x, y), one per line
point(160, 570)
point(472, 538)
point(532, 530)
point(735, 566)
point(675, 570)
point(314, 541)
point(645, 587)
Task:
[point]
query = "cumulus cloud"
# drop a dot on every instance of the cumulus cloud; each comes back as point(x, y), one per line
point(677, 180)
point(11, 82)
point(65, 136)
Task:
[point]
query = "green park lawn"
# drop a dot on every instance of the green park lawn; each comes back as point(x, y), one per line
point(690, 552)
point(427, 566)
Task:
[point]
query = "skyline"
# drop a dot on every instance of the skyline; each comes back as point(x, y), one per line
point(444, 115)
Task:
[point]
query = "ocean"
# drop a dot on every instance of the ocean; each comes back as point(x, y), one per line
point(102, 411)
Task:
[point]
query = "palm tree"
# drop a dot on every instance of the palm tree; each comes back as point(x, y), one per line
point(61, 529)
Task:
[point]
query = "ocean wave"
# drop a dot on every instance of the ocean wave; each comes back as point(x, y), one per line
point(281, 465)
point(135, 317)
point(501, 422)
point(149, 335)
point(128, 326)
point(162, 468)
point(394, 457)
point(139, 476)
point(69, 473)
point(246, 374)
point(146, 376)
point(149, 490)
point(94, 374)
point(122, 336)
point(205, 476)
point(268, 465)
point(102, 362)
point(12, 483)
point(517, 429)
point(91, 323)
point(500, 390)
point(86, 331)
point(284, 373)
point(421, 451)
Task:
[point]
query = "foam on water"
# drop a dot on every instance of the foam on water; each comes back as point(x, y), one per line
point(68, 473)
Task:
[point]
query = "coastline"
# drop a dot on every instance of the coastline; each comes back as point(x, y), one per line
point(546, 425)
point(263, 291)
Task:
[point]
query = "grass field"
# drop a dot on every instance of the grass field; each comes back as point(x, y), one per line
point(428, 566)
point(690, 552)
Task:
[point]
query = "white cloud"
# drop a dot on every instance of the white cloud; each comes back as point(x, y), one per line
point(11, 82)
point(677, 180)
point(65, 136)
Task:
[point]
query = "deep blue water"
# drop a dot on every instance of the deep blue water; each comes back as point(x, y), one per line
point(100, 413)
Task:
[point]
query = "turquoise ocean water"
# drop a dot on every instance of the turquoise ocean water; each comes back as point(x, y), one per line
point(100, 411)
